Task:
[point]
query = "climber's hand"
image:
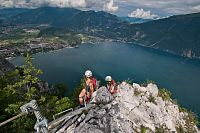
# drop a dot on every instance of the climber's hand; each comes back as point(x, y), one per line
point(88, 94)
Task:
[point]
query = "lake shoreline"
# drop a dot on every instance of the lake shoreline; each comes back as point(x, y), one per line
point(122, 61)
point(110, 40)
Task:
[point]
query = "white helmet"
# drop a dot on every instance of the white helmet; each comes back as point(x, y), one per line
point(88, 73)
point(108, 78)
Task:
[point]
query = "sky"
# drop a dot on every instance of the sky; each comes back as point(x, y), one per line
point(149, 9)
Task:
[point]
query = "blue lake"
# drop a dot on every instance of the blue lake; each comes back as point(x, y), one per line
point(122, 61)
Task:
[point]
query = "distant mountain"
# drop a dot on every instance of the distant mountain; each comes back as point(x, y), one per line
point(9, 12)
point(133, 20)
point(177, 34)
point(66, 17)
point(100, 23)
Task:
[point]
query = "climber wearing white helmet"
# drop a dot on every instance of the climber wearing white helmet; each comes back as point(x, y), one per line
point(111, 84)
point(88, 89)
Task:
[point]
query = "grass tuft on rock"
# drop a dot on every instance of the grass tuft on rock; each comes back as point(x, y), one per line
point(165, 94)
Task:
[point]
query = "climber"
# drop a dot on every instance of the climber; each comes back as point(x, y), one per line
point(87, 91)
point(111, 85)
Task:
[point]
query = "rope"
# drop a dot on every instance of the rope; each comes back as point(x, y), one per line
point(11, 119)
point(22, 114)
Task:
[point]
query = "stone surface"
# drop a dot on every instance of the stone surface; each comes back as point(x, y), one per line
point(102, 96)
point(124, 113)
point(5, 66)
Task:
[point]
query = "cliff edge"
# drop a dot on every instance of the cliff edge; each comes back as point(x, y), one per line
point(133, 109)
point(5, 66)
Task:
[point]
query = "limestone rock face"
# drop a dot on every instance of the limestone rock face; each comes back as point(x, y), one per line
point(5, 66)
point(133, 109)
point(102, 96)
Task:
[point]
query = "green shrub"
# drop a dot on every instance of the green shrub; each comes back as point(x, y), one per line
point(143, 129)
point(129, 81)
point(182, 109)
point(137, 92)
point(18, 89)
point(180, 129)
point(76, 92)
point(162, 129)
point(152, 99)
point(165, 94)
point(191, 119)
point(60, 89)
point(144, 84)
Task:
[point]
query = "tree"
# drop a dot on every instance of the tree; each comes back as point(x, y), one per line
point(20, 87)
point(60, 89)
point(76, 92)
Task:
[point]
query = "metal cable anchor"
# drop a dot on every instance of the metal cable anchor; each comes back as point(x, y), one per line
point(41, 124)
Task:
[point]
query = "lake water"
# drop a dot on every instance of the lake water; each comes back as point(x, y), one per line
point(180, 75)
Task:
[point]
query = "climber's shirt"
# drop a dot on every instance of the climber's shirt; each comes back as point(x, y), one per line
point(112, 87)
point(90, 87)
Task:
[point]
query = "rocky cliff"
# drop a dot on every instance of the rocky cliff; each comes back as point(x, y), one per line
point(133, 109)
point(5, 66)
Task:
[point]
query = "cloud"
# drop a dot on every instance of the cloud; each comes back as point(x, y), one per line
point(123, 7)
point(109, 7)
point(67, 3)
point(38, 3)
point(7, 3)
point(196, 8)
point(164, 7)
point(140, 13)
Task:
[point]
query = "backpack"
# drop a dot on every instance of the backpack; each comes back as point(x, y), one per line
point(95, 83)
point(115, 87)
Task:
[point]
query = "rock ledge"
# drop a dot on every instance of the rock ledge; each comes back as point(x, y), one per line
point(133, 109)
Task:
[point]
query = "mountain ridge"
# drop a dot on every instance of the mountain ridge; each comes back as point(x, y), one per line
point(134, 20)
point(175, 34)
point(61, 17)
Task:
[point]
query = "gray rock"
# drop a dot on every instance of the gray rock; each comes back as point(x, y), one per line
point(103, 96)
point(5, 66)
point(123, 114)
